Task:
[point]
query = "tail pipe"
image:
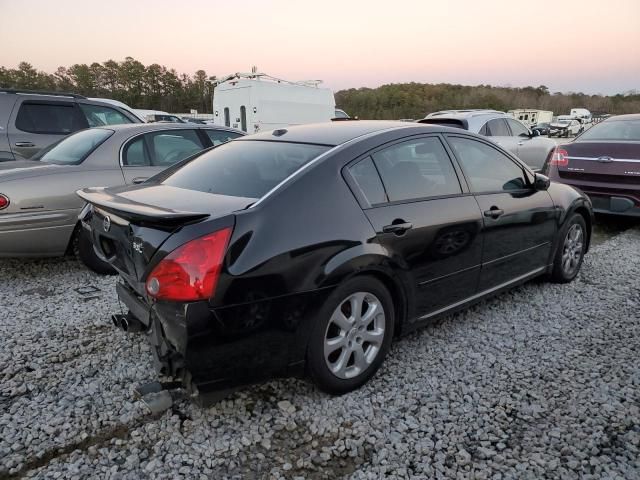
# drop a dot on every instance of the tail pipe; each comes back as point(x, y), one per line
point(128, 323)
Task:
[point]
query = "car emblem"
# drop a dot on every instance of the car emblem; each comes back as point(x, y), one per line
point(137, 246)
point(106, 224)
point(605, 159)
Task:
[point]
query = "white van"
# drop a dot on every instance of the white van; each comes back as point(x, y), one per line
point(254, 102)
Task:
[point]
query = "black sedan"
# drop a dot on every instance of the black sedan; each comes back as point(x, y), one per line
point(309, 249)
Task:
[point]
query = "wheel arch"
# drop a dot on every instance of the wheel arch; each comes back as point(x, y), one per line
point(584, 212)
point(395, 289)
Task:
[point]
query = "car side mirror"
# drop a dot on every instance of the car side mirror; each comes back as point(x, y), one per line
point(541, 182)
point(535, 133)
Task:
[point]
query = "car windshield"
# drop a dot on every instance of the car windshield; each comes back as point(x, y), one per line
point(244, 168)
point(75, 148)
point(623, 130)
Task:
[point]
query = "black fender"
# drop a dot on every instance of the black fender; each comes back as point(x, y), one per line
point(373, 259)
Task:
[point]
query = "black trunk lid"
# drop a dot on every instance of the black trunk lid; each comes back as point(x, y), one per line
point(129, 224)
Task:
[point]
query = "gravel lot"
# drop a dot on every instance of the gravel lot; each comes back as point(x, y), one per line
point(543, 381)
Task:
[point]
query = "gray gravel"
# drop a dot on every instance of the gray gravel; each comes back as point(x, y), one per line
point(543, 381)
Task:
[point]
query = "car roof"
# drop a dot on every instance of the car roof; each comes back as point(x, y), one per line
point(470, 114)
point(335, 133)
point(619, 118)
point(151, 127)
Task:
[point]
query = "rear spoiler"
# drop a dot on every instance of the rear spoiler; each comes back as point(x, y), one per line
point(137, 211)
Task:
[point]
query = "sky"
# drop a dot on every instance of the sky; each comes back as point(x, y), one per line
point(591, 46)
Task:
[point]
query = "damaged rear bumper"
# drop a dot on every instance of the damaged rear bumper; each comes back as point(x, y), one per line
point(209, 350)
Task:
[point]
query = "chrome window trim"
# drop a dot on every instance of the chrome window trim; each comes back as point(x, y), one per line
point(133, 137)
point(308, 165)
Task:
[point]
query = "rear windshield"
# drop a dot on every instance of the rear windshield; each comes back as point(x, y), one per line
point(244, 168)
point(614, 130)
point(73, 149)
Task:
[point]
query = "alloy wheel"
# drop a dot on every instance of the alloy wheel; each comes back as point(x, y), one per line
point(572, 249)
point(354, 335)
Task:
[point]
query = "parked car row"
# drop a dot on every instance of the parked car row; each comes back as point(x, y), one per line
point(236, 270)
point(503, 129)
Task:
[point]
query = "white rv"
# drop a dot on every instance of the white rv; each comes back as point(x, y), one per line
point(531, 118)
point(254, 102)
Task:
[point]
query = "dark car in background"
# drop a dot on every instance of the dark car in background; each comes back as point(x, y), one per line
point(604, 162)
point(32, 120)
point(310, 248)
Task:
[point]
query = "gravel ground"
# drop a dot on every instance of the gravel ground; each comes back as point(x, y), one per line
point(543, 381)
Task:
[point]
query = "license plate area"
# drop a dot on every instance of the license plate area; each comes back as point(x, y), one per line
point(112, 239)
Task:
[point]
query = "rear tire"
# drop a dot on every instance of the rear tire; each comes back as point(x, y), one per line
point(86, 254)
point(570, 251)
point(351, 335)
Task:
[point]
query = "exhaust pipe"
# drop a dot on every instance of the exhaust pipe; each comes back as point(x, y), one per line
point(128, 323)
point(132, 325)
point(116, 319)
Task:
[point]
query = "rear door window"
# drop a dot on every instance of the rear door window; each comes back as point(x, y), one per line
point(417, 169)
point(366, 177)
point(171, 146)
point(136, 153)
point(218, 137)
point(517, 129)
point(49, 118)
point(498, 128)
point(99, 116)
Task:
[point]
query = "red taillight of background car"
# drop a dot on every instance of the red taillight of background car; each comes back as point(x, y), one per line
point(4, 201)
point(560, 157)
point(191, 271)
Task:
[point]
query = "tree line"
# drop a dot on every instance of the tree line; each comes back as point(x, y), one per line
point(152, 86)
point(157, 87)
point(415, 100)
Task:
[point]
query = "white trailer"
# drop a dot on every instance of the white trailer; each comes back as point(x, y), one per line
point(531, 117)
point(255, 102)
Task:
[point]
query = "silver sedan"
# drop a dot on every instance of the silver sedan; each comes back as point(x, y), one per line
point(38, 205)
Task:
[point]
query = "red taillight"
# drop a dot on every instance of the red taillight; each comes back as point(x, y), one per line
point(191, 271)
point(4, 201)
point(560, 157)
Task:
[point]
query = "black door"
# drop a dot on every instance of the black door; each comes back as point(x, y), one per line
point(519, 222)
point(425, 220)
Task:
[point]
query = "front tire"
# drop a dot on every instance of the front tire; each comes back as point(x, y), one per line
point(570, 252)
point(87, 255)
point(351, 336)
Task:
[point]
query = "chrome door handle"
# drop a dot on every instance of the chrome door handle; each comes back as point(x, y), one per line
point(25, 144)
point(139, 180)
point(397, 228)
point(494, 212)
